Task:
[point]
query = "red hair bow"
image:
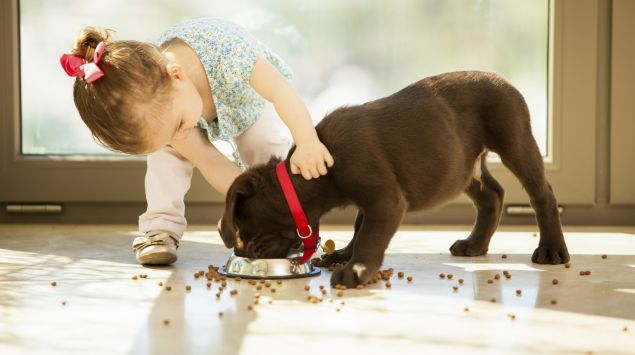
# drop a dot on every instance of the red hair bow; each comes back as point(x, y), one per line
point(75, 65)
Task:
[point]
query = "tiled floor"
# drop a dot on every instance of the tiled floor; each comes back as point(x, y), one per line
point(106, 312)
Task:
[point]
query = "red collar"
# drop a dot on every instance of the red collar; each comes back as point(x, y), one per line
point(310, 238)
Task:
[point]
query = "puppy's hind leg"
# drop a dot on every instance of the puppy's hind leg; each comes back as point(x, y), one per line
point(487, 196)
point(343, 255)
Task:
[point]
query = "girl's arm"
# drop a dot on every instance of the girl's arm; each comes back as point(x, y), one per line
point(219, 171)
point(310, 157)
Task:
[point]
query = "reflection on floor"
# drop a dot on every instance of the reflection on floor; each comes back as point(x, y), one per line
point(97, 308)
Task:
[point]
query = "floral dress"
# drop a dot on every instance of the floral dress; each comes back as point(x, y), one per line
point(228, 53)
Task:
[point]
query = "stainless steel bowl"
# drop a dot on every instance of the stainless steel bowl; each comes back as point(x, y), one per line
point(288, 268)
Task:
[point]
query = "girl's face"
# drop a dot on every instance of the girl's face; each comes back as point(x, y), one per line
point(179, 116)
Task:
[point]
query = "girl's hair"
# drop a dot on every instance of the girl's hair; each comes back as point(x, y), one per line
point(113, 106)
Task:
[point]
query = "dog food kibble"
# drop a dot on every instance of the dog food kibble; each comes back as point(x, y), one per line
point(134, 277)
point(258, 287)
point(168, 288)
point(217, 294)
point(63, 303)
point(337, 309)
point(263, 281)
point(493, 300)
point(554, 281)
point(267, 284)
point(388, 284)
point(196, 275)
point(490, 281)
point(450, 276)
point(581, 273)
point(307, 287)
point(497, 277)
point(554, 301)
point(250, 307)
point(567, 265)
point(53, 283)
point(534, 234)
point(400, 274)
point(273, 290)
point(455, 288)
point(209, 285)
point(340, 293)
point(321, 287)
point(238, 279)
point(518, 292)
point(251, 282)
point(504, 256)
point(220, 314)
point(508, 276)
point(442, 275)
point(587, 273)
point(224, 283)
point(359, 287)
point(160, 283)
point(409, 278)
point(625, 329)
point(512, 316)
point(461, 281)
point(604, 256)
point(188, 288)
point(233, 292)
point(466, 309)
point(166, 321)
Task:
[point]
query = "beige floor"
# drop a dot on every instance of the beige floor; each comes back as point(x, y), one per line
point(106, 312)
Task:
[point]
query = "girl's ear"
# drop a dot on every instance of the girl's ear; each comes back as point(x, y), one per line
point(175, 71)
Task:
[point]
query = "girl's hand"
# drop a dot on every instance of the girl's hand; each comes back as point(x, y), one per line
point(310, 159)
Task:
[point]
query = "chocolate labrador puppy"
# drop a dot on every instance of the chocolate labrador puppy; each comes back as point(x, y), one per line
point(412, 150)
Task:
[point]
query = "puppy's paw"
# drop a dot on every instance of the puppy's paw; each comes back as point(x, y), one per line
point(551, 254)
point(339, 256)
point(354, 273)
point(467, 247)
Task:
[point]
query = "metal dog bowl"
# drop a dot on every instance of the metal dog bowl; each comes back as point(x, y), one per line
point(287, 268)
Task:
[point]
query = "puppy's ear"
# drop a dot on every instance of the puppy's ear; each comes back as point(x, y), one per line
point(242, 188)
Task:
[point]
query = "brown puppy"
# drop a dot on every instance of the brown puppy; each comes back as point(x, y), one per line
point(412, 150)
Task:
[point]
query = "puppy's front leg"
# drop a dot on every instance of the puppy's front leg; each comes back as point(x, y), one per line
point(380, 223)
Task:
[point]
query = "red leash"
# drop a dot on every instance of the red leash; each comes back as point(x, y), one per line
point(310, 238)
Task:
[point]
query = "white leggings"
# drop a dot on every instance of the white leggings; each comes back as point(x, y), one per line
point(169, 174)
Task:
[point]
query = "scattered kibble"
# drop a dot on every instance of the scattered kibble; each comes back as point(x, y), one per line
point(342, 302)
point(340, 293)
point(168, 288)
point(267, 284)
point(534, 234)
point(166, 321)
point(567, 265)
point(490, 281)
point(63, 303)
point(258, 287)
point(160, 284)
point(604, 256)
point(409, 278)
point(519, 292)
point(554, 302)
point(466, 309)
point(582, 273)
point(238, 279)
point(217, 294)
point(273, 290)
point(461, 281)
point(134, 277)
point(400, 274)
point(625, 329)
point(587, 273)
point(270, 301)
point(307, 287)
point(209, 285)
point(233, 292)
point(450, 276)
point(455, 288)
point(512, 316)
point(442, 275)
point(188, 288)
point(53, 283)
point(504, 256)
point(279, 282)
point(220, 314)
point(196, 275)
point(493, 300)
point(359, 287)
point(554, 281)
point(250, 307)
point(224, 284)
point(497, 277)
point(337, 309)
point(388, 284)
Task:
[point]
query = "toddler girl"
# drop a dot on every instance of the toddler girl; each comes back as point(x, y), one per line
point(206, 80)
